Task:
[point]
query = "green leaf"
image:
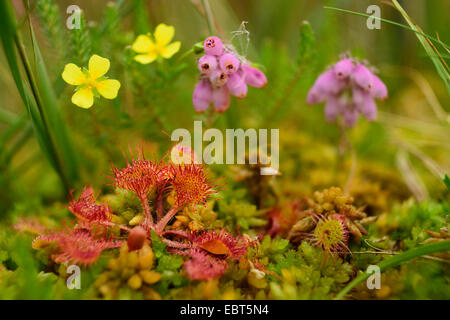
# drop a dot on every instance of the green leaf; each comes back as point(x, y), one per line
point(51, 110)
point(9, 38)
point(141, 19)
point(431, 51)
point(159, 247)
point(397, 260)
point(169, 262)
point(447, 181)
point(306, 43)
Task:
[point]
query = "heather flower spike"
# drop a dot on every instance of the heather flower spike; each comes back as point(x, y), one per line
point(237, 86)
point(223, 73)
point(213, 46)
point(207, 64)
point(349, 88)
point(148, 49)
point(254, 77)
point(90, 82)
point(202, 97)
point(229, 63)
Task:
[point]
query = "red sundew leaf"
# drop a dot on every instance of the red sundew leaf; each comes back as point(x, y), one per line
point(215, 246)
point(77, 246)
point(87, 210)
point(140, 176)
point(190, 184)
point(222, 243)
point(44, 241)
point(30, 225)
point(204, 267)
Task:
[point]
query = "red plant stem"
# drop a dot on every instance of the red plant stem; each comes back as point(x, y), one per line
point(147, 211)
point(122, 227)
point(177, 233)
point(176, 244)
point(160, 207)
point(165, 220)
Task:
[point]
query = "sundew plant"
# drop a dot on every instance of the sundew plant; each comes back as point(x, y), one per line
point(239, 150)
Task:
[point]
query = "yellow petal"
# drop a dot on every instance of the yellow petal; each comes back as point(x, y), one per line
point(98, 66)
point(146, 58)
point(171, 49)
point(108, 88)
point(142, 44)
point(73, 75)
point(164, 34)
point(83, 98)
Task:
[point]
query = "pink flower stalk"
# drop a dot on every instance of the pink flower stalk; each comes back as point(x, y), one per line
point(222, 74)
point(349, 88)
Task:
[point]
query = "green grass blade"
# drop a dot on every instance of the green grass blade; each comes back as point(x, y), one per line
point(6, 157)
point(10, 40)
point(447, 181)
point(52, 112)
point(390, 22)
point(424, 39)
point(7, 35)
point(13, 128)
point(397, 260)
point(7, 117)
point(141, 19)
point(431, 51)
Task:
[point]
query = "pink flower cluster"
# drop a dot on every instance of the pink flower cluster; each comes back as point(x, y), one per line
point(222, 74)
point(348, 88)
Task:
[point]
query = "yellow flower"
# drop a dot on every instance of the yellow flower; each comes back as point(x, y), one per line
point(148, 49)
point(90, 82)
